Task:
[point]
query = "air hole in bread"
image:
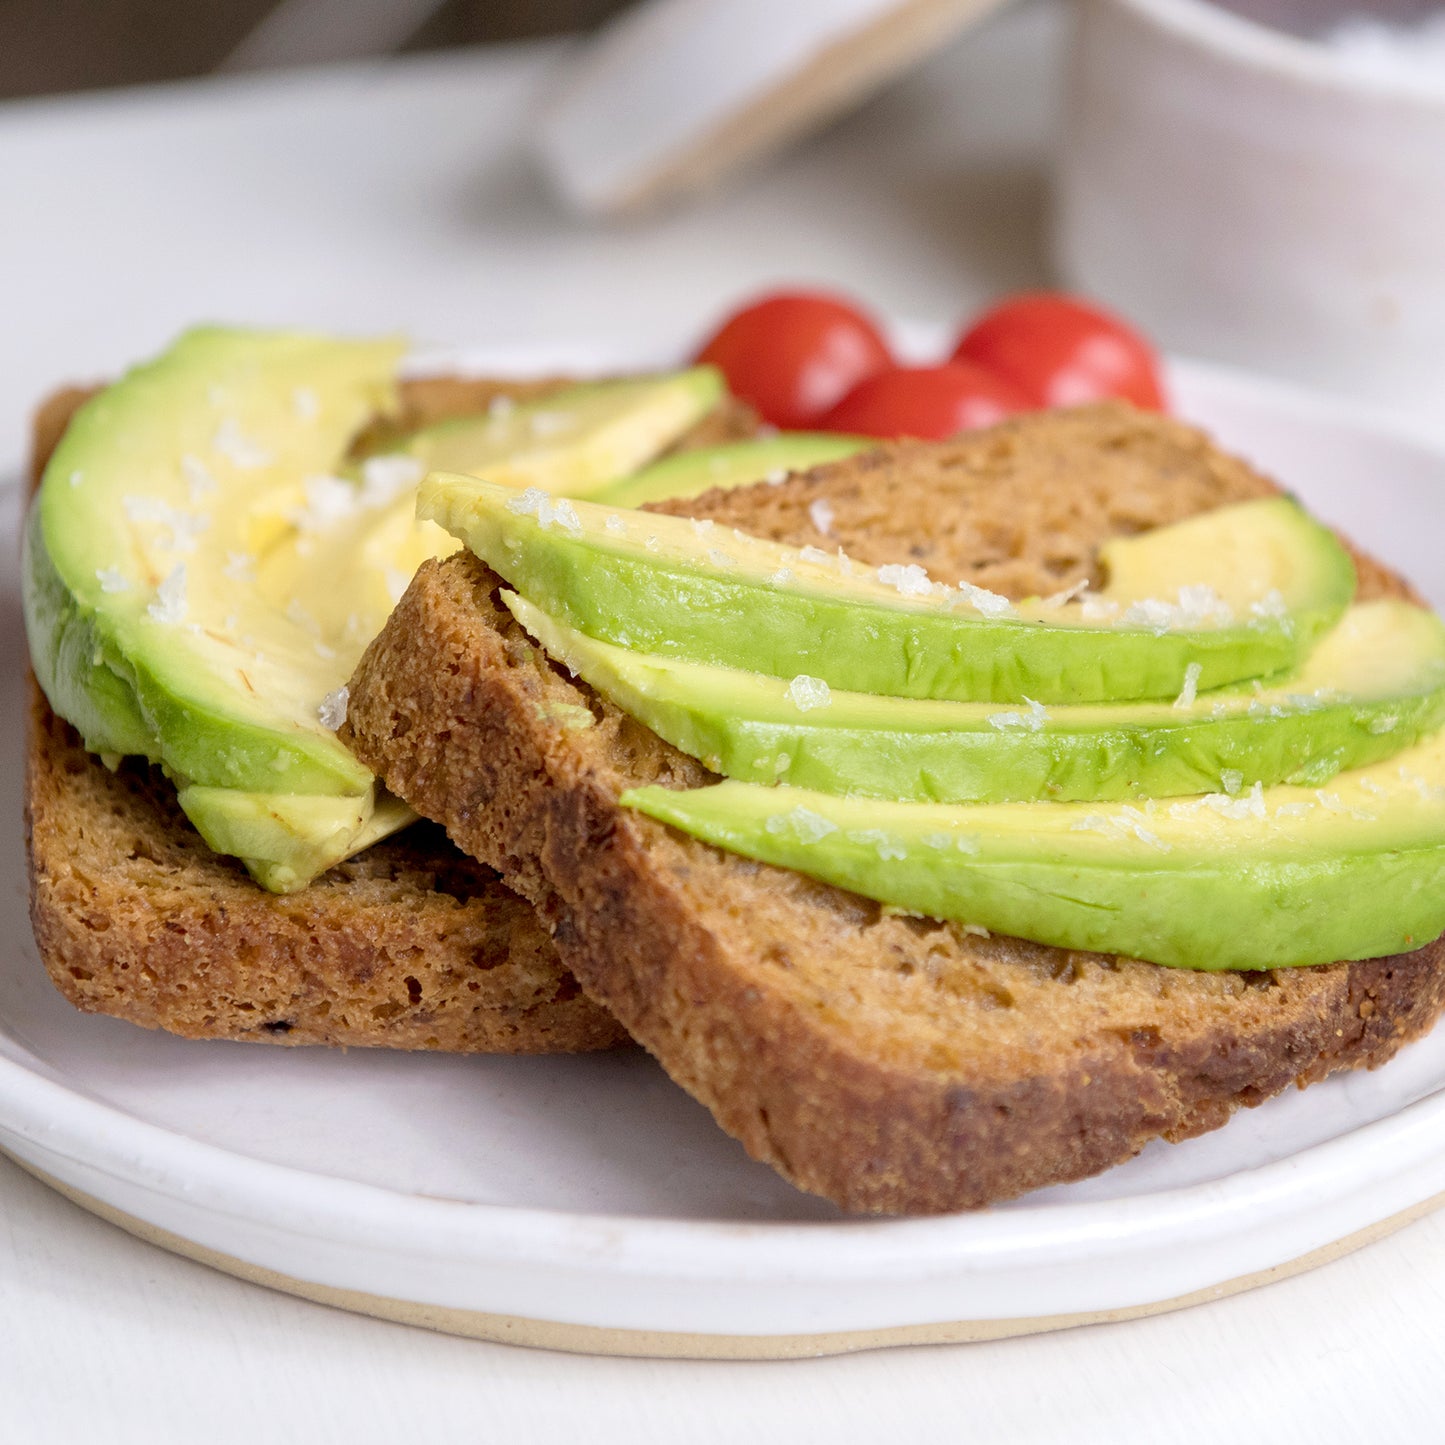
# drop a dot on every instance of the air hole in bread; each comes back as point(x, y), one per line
point(567, 988)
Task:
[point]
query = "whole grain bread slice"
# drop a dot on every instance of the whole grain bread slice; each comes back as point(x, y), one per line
point(890, 1063)
point(412, 945)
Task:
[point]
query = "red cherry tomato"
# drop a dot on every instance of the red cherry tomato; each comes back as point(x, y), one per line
point(931, 402)
point(1061, 351)
point(793, 354)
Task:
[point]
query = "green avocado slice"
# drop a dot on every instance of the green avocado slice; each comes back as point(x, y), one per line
point(736, 464)
point(1372, 687)
point(285, 839)
point(130, 582)
point(1281, 877)
point(202, 571)
point(576, 440)
point(1240, 592)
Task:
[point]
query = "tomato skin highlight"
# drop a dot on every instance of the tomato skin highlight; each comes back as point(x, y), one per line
point(793, 354)
point(926, 402)
point(1061, 351)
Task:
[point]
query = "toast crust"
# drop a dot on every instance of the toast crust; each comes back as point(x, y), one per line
point(410, 946)
point(892, 1064)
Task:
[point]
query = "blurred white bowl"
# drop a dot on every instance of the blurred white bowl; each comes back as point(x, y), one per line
point(1252, 196)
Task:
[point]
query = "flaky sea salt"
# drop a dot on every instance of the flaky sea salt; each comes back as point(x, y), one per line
point(908, 581)
point(804, 824)
point(328, 501)
point(820, 513)
point(1069, 594)
point(806, 693)
point(332, 711)
point(169, 604)
point(1151, 612)
point(1191, 685)
point(888, 847)
point(184, 527)
point(989, 604)
point(1098, 823)
point(239, 567)
point(1030, 721)
point(1127, 822)
point(200, 484)
point(565, 516)
point(547, 509)
point(1201, 603)
point(1093, 608)
point(1250, 805)
point(385, 478)
point(1198, 605)
point(237, 448)
point(298, 616)
point(1271, 607)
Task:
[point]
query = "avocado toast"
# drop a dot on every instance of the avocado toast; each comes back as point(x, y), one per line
point(889, 1061)
point(409, 945)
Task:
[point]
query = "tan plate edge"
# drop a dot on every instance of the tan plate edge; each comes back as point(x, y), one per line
point(661, 1344)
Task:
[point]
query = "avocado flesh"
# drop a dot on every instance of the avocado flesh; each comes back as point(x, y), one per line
point(231, 444)
point(1372, 687)
point(155, 482)
point(1283, 877)
point(1256, 584)
point(573, 441)
point(736, 464)
point(285, 840)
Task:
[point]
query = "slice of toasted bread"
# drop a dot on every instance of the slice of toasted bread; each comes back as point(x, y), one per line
point(890, 1063)
point(411, 945)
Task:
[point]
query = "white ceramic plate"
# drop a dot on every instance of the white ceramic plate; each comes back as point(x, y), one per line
point(586, 1202)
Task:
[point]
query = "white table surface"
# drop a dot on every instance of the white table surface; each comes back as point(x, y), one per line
point(395, 197)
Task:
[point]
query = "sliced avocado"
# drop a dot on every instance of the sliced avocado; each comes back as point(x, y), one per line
point(1374, 686)
point(203, 569)
point(575, 440)
point(339, 573)
point(140, 630)
point(1281, 877)
point(1237, 593)
point(737, 464)
point(285, 840)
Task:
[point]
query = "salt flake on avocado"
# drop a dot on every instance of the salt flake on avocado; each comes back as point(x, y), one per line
point(169, 605)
